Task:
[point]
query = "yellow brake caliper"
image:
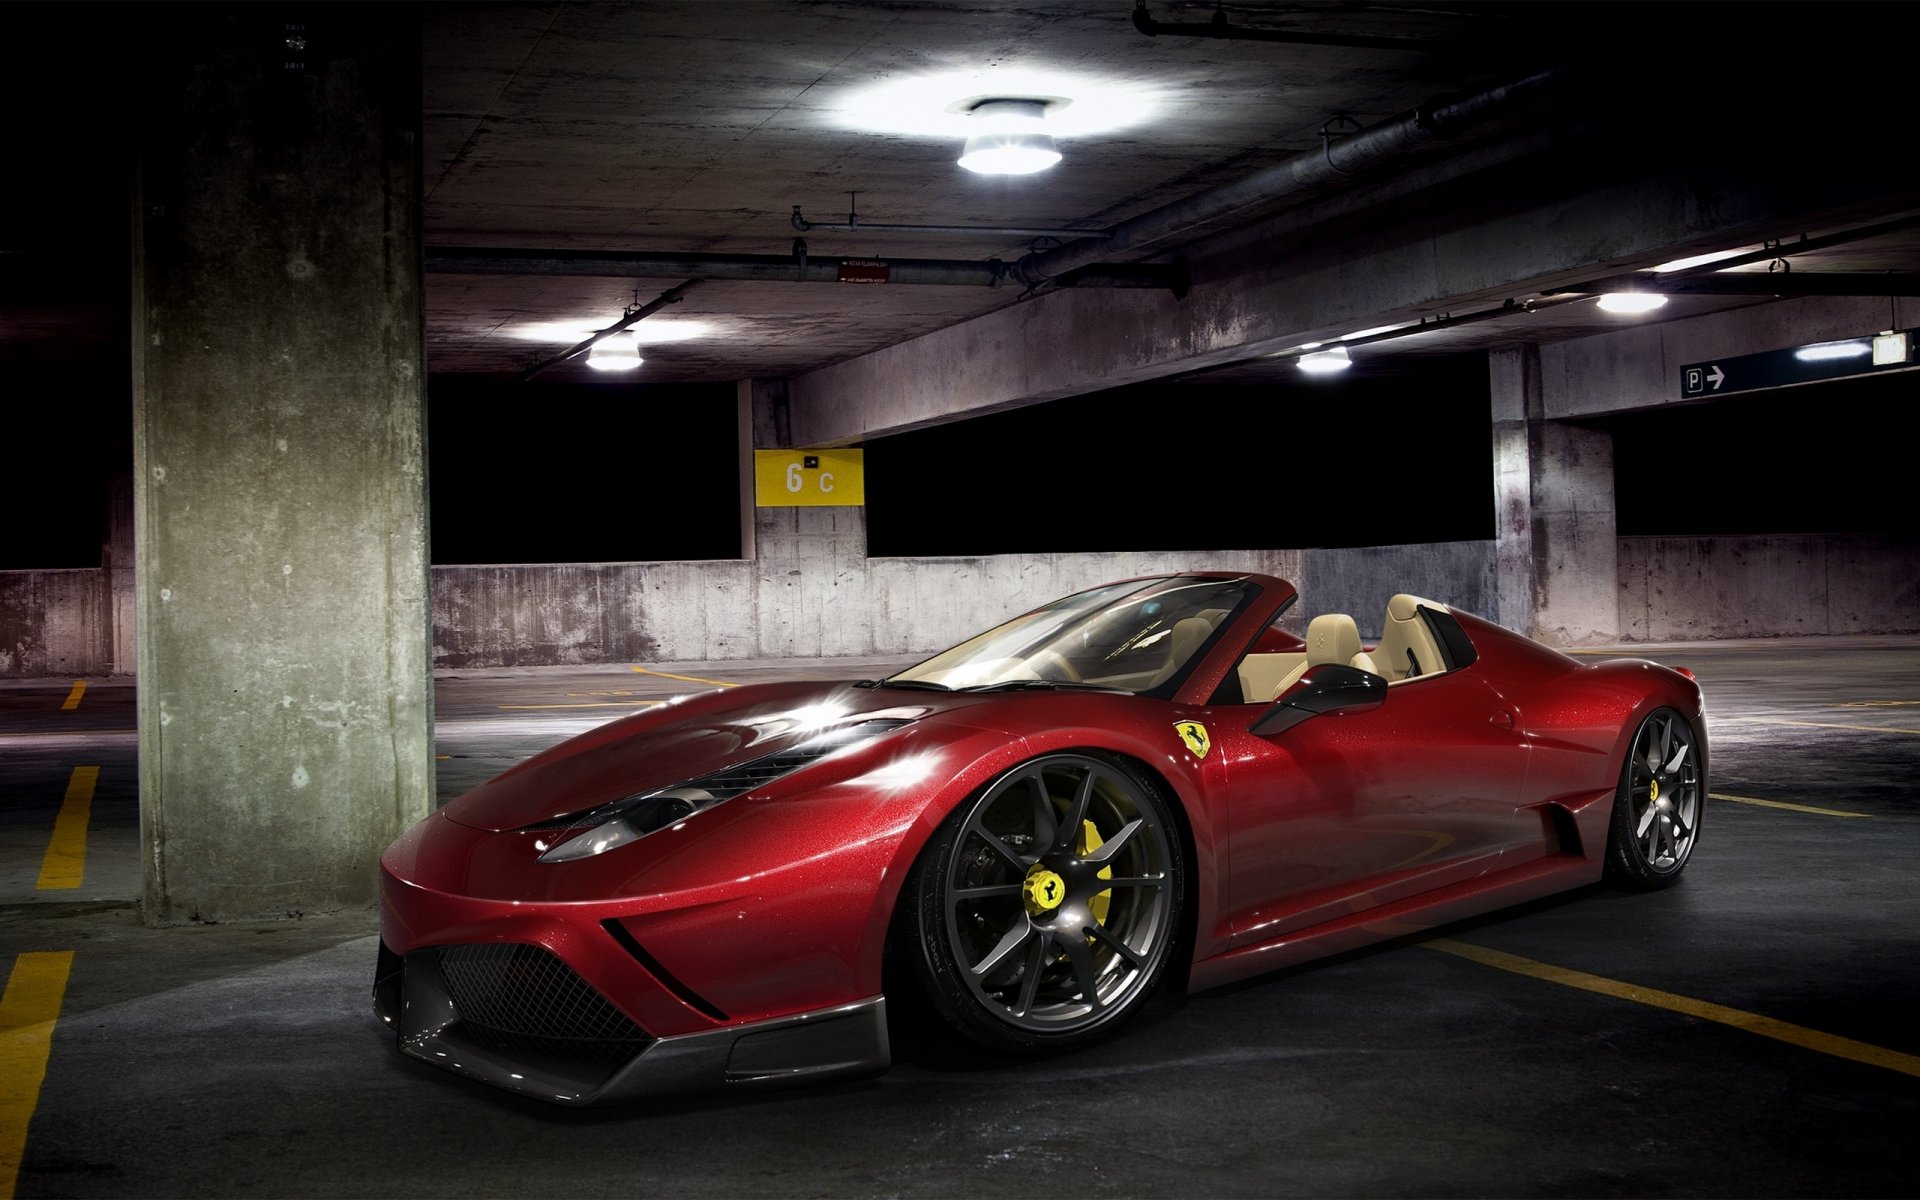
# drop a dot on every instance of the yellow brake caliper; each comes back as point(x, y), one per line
point(1090, 841)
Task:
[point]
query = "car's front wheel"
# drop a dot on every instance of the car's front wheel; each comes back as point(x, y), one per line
point(1657, 809)
point(1047, 906)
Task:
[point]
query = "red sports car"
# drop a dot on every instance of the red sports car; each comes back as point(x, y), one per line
point(1033, 830)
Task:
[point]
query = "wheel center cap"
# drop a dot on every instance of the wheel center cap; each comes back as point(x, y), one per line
point(1044, 890)
point(1653, 796)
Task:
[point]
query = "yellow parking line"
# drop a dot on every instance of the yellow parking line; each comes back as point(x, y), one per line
point(73, 697)
point(65, 863)
point(683, 678)
point(1805, 808)
point(530, 707)
point(1768, 1027)
point(1821, 725)
point(28, 1010)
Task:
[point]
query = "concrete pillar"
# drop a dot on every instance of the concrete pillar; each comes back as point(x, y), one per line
point(286, 701)
point(117, 565)
point(1557, 551)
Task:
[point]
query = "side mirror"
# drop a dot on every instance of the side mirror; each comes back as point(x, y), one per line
point(1323, 689)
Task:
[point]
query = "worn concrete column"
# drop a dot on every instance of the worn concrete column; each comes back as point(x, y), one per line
point(280, 504)
point(117, 564)
point(1557, 548)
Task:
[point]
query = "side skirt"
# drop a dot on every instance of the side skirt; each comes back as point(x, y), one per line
point(1415, 914)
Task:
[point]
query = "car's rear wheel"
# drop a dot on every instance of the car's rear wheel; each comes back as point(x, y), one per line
point(1047, 907)
point(1657, 810)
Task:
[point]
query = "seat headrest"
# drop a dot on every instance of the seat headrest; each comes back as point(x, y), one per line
point(1404, 607)
point(1332, 638)
point(1188, 633)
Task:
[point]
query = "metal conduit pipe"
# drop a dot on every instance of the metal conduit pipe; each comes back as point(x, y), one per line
point(1434, 121)
point(855, 226)
point(777, 268)
point(1218, 27)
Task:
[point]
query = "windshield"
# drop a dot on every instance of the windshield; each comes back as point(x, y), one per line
point(1134, 637)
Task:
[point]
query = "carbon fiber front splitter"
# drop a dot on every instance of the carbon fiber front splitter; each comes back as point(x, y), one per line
point(830, 1043)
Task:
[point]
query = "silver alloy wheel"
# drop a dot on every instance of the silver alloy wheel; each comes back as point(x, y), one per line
point(1058, 896)
point(1663, 790)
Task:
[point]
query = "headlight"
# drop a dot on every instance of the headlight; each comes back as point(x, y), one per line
point(631, 818)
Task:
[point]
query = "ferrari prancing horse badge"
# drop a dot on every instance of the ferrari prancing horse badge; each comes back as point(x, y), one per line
point(1194, 734)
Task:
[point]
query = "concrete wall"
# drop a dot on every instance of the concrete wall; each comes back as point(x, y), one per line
point(1683, 589)
point(814, 594)
point(55, 623)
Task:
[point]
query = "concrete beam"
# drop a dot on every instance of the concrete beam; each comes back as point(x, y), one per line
point(1272, 286)
point(285, 701)
point(1639, 367)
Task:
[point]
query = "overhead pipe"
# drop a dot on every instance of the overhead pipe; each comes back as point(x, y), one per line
point(855, 225)
point(1436, 120)
point(1219, 28)
point(1703, 280)
point(775, 268)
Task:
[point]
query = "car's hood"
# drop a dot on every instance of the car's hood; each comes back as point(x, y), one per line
point(684, 740)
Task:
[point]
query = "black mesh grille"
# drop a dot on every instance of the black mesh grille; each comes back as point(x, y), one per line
point(518, 998)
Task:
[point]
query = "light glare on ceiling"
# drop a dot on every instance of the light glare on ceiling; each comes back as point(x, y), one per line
point(1889, 348)
point(942, 106)
point(1631, 302)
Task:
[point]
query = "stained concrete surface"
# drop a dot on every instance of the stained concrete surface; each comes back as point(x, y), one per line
point(241, 1059)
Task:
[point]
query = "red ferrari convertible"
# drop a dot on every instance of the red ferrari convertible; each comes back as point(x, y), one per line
point(1149, 782)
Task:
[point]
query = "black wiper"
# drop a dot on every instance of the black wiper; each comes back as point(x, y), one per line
point(919, 685)
point(1046, 685)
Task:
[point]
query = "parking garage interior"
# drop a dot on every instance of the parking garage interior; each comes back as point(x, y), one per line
point(323, 510)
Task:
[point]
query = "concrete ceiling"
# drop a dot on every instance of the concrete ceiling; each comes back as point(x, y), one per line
point(697, 126)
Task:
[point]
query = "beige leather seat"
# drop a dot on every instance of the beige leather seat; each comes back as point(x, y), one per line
point(1407, 648)
point(1331, 638)
point(1188, 633)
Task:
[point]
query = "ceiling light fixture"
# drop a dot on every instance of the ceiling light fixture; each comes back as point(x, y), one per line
point(1631, 302)
point(616, 353)
point(1829, 351)
point(1325, 362)
point(1012, 138)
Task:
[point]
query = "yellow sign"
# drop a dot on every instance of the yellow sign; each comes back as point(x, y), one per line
point(1194, 734)
point(790, 478)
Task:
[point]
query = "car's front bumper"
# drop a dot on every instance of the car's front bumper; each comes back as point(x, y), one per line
point(412, 994)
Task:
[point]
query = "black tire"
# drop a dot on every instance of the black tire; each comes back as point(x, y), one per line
point(1046, 908)
point(1658, 805)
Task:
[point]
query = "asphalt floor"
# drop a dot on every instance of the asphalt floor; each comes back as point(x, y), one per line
point(1750, 1032)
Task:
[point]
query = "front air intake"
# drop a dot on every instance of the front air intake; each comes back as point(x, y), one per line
point(520, 999)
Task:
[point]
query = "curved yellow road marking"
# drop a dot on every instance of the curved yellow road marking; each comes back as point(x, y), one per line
point(608, 704)
point(683, 678)
point(1820, 725)
point(73, 697)
point(28, 1010)
point(1805, 808)
point(65, 863)
point(1767, 1027)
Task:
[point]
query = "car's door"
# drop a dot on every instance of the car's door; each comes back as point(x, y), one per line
point(1349, 810)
